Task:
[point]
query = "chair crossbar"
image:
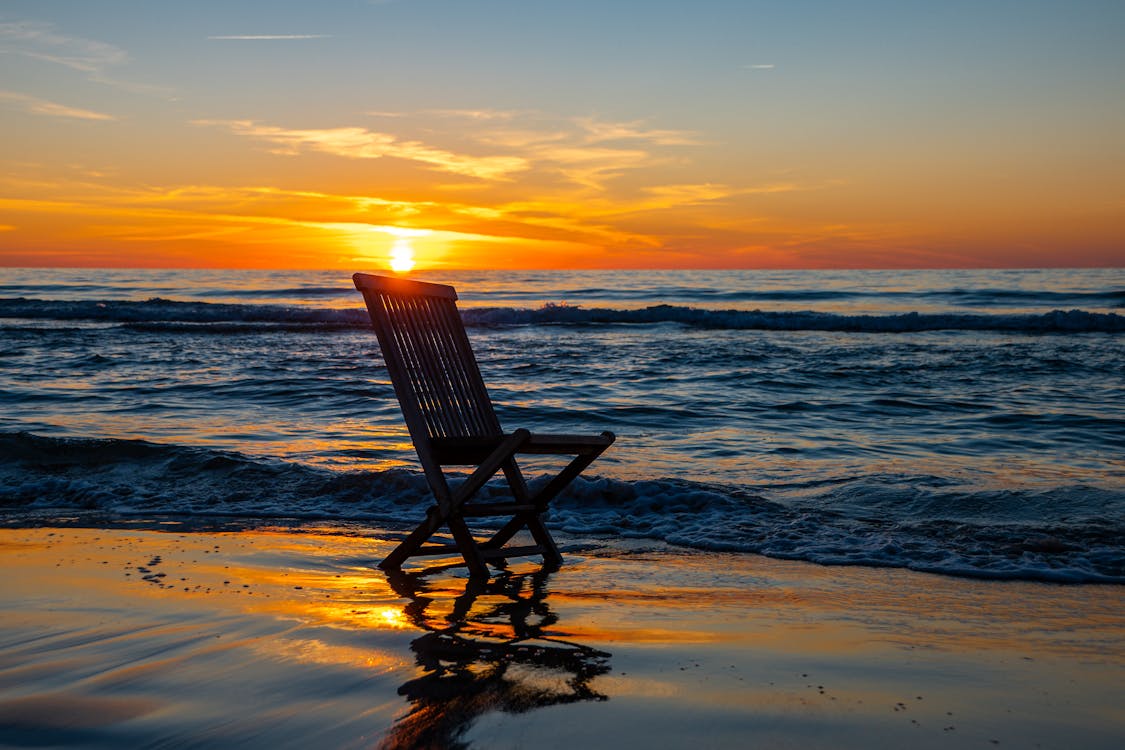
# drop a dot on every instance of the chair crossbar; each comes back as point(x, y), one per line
point(437, 549)
point(496, 509)
point(452, 422)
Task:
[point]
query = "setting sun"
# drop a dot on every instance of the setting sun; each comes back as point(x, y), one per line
point(402, 256)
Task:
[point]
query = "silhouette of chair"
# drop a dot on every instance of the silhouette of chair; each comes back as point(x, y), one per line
point(495, 647)
point(452, 423)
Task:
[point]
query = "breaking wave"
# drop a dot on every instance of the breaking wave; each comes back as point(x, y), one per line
point(1070, 534)
point(171, 315)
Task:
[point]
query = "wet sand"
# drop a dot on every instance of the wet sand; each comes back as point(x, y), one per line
point(135, 638)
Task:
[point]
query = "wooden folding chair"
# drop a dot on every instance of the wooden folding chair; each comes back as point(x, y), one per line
point(452, 423)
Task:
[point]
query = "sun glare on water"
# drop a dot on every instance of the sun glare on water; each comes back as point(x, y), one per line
point(402, 256)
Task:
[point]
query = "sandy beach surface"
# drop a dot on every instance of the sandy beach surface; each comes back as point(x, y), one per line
point(138, 637)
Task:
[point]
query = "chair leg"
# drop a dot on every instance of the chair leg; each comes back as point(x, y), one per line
point(506, 532)
point(563, 478)
point(418, 537)
point(534, 524)
point(543, 538)
point(468, 546)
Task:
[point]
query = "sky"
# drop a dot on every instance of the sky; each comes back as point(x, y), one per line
point(536, 134)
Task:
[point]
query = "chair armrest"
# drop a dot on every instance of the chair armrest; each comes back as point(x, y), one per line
point(464, 451)
point(567, 444)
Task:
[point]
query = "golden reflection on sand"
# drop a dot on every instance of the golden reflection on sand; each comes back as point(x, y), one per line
point(192, 622)
point(315, 651)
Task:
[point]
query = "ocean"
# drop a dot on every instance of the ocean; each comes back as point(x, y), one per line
point(966, 423)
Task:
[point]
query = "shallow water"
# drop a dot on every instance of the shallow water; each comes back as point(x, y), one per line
point(967, 422)
point(134, 638)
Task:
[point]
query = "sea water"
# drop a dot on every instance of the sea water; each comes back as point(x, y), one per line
point(959, 422)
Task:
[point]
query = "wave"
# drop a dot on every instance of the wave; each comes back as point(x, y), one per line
point(1057, 321)
point(173, 315)
point(159, 310)
point(987, 297)
point(984, 297)
point(296, 291)
point(1064, 535)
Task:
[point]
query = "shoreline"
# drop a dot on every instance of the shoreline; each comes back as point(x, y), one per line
point(132, 637)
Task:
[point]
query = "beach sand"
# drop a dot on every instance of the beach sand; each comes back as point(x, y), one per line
point(133, 637)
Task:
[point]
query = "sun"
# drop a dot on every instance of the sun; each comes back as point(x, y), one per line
point(402, 256)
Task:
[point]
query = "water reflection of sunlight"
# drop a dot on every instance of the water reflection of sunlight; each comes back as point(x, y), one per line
point(394, 618)
point(316, 651)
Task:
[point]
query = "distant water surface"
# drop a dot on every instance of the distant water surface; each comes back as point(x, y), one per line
point(965, 422)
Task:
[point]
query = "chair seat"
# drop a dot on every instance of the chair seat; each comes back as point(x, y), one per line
point(472, 450)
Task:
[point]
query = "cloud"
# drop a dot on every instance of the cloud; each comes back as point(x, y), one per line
point(40, 41)
point(584, 151)
point(683, 195)
point(268, 37)
point(760, 66)
point(52, 109)
point(590, 166)
point(475, 114)
point(600, 132)
point(360, 143)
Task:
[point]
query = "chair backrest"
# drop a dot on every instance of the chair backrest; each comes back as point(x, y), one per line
point(429, 359)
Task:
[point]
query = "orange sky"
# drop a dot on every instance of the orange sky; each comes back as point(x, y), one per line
point(737, 135)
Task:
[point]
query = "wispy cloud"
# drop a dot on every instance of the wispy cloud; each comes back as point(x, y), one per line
point(41, 41)
point(684, 195)
point(360, 143)
point(600, 132)
point(583, 150)
point(488, 115)
point(268, 37)
point(760, 66)
point(38, 106)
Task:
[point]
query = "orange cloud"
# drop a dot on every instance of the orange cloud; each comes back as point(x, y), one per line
point(361, 143)
point(598, 132)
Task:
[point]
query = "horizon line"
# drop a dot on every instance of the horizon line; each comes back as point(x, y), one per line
point(607, 269)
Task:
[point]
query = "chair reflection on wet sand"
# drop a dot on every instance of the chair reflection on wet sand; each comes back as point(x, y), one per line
point(452, 423)
point(489, 649)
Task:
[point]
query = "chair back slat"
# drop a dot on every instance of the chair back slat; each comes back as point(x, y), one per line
point(469, 379)
point(429, 358)
point(424, 367)
point(477, 416)
point(462, 417)
point(415, 358)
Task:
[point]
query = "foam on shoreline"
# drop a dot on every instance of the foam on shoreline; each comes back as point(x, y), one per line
point(1062, 535)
